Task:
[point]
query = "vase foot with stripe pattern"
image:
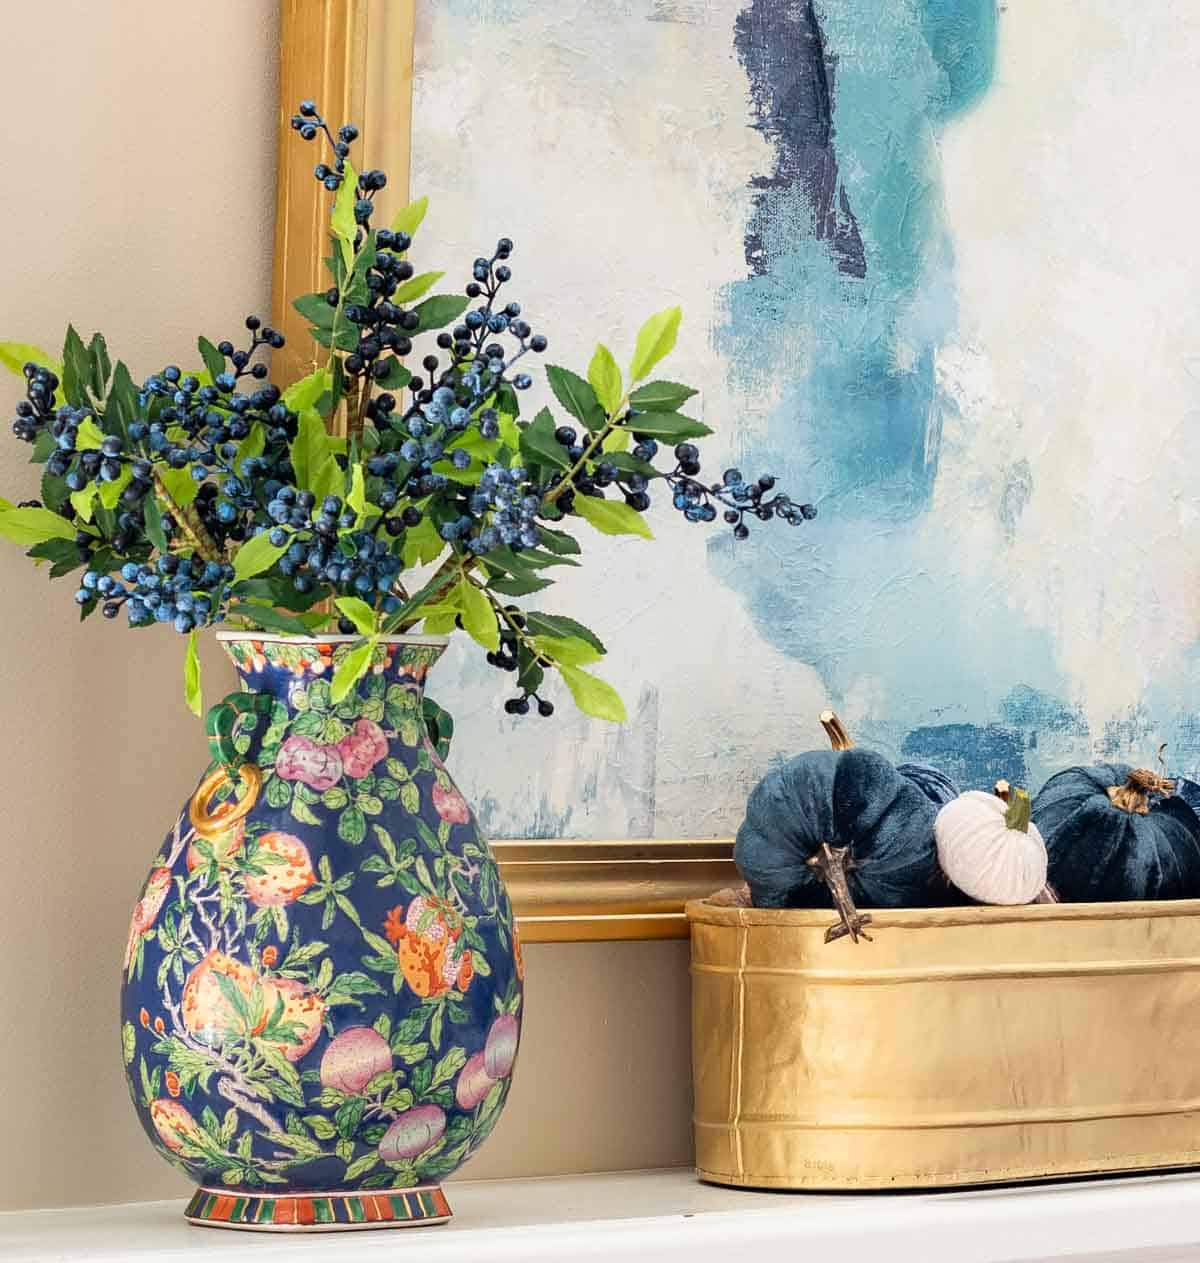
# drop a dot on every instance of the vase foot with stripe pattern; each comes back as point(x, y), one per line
point(319, 1212)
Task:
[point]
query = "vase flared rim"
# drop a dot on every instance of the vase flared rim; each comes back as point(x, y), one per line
point(281, 638)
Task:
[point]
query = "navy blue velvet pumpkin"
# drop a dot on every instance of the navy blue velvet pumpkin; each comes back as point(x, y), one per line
point(933, 783)
point(844, 798)
point(1113, 832)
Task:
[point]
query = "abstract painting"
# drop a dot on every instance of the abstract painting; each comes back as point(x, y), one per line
point(933, 257)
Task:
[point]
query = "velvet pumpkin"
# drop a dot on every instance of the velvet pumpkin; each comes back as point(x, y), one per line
point(838, 827)
point(931, 781)
point(1114, 832)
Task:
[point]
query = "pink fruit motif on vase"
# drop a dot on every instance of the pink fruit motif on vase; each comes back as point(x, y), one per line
point(450, 805)
point(474, 1083)
point(147, 908)
point(302, 759)
point(287, 871)
point(174, 1124)
point(362, 748)
point(354, 1058)
point(412, 1133)
point(500, 1051)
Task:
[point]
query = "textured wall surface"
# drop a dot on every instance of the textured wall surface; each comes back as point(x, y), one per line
point(931, 257)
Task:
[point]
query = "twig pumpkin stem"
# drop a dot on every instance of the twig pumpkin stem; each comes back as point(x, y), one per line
point(1134, 795)
point(833, 864)
point(839, 738)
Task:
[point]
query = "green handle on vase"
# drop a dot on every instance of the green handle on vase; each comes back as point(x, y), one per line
point(223, 721)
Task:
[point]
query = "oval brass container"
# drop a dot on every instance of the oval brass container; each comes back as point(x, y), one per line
point(960, 1046)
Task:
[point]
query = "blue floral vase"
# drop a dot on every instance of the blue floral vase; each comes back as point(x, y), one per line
point(322, 989)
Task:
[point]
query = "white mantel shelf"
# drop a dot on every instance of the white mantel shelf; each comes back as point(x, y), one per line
point(668, 1215)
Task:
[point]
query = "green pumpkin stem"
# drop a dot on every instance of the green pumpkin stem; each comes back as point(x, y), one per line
point(839, 738)
point(1017, 815)
point(1134, 795)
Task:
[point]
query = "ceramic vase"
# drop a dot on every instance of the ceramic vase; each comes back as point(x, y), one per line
point(322, 988)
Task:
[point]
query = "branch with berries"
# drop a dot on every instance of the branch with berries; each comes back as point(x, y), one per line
point(211, 496)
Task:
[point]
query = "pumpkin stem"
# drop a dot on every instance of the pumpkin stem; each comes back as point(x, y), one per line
point(1003, 790)
point(833, 865)
point(839, 738)
point(1134, 795)
point(1017, 815)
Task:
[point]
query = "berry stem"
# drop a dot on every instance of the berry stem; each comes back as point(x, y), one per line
point(568, 479)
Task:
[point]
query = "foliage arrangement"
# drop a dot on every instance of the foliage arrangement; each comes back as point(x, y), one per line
point(211, 495)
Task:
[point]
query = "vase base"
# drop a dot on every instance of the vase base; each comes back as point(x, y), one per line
point(319, 1212)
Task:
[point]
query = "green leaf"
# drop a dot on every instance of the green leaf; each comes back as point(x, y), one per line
point(312, 455)
point(101, 364)
point(559, 542)
point(422, 544)
point(478, 616)
point(256, 555)
point(440, 310)
point(409, 219)
point(352, 668)
point(121, 406)
point(251, 446)
point(560, 626)
point(660, 397)
point(518, 585)
point(592, 695)
point(570, 651)
point(314, 307)
point(154, 527)
point(178, 484)
point(448, 1067)
point(576, 396)
point(267, 618)
point(84, 502)
point(538, 444)
point(89, 436)
point(605, 378)
point(110, 492)
point(396, 377)
point(655, 340)
point(214, 361)
point(342, 220)
point(15, 355)
point(356, 497)
point(352, 826)
point(612, 517)
point(33, 526)
point(416, 288)
point(77, 368)
point(359, 613)
point(303, 394)
point(191, 677)
point(670, 426)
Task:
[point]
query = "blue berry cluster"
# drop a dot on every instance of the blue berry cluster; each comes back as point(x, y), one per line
point(698, 503)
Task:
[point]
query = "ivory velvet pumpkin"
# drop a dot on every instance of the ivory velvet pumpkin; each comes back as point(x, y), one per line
point(1114, 832)
point(988, 848)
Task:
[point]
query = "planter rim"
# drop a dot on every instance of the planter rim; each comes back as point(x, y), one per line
point(701, 910)
point(280, 638)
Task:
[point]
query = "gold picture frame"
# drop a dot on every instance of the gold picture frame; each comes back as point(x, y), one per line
point(356, 58)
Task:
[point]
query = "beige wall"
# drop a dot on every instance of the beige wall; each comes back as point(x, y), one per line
point(138, 185)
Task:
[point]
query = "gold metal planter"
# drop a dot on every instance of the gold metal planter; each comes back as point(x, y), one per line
point(960, 1046)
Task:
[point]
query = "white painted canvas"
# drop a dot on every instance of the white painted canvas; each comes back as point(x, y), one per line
point(935, 266)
